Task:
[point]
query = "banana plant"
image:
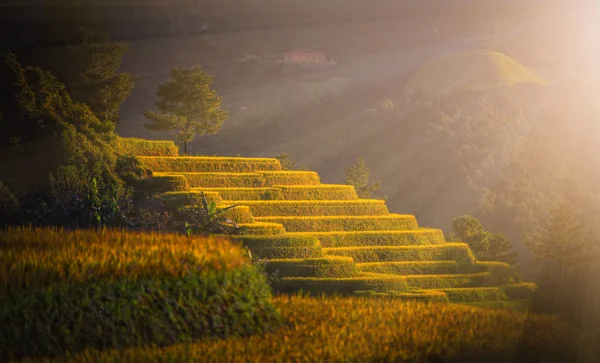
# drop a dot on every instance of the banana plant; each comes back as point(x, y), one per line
point(206, 218)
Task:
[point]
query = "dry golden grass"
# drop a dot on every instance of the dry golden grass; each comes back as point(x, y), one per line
point(44, 256)
point(422, 236)
point(336, 329)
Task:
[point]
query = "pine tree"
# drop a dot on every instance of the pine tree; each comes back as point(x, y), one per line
point(562, 246)
point(358, 175)
point(188, 107)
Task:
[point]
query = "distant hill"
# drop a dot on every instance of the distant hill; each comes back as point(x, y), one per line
point(468, 69)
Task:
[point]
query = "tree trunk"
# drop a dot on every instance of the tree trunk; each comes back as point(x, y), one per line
point(185, 148)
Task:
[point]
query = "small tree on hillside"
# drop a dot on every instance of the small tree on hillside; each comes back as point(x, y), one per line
point(562, 246)
point(188, 107)
point(486, 246)
point(358, 175)
point(287, 163)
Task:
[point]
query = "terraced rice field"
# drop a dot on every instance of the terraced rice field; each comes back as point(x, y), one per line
point(321, 238)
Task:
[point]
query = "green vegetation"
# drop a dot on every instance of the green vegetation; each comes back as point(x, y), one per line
point(358, 175)
point(188, 107)
point(205, 218)
point(69, 42)
point(141, 147)
point(486, 246)
point(287, 163)
point(67, 291)
point(159, 183)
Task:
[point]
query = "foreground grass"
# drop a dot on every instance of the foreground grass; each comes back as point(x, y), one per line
point(336, 329)
point(66, 291)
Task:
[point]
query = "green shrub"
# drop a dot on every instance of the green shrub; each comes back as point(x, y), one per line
point(343, 329)
point(178, 199)
point(521, 291)
point(378, 238)
point(500, 273)
point(315, 207)
point(66, 291)
point(318, 192)
point(141, 147)
point(459, 252)
point(208, 164)
point(333, 267)
point(446, 281)
point(162, 183)
point(342, 223)
point(280, 178)
point(345, 286)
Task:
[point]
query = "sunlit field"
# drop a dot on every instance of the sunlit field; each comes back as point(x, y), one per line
point(300, 181)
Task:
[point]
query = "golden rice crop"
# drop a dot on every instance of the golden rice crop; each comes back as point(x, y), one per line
point(216, 180)
point(288, 252)
point(272, 208)
point(280, 240)
point(459, 252)
point(318, 192)
point(420, 236)
point(412, 295)
point(141, 147)
point(344, 329)
point(345, 285)
point(244, 193)
point(501, 293)
point(447, 281)
point(260, 228)
point(208, 164)
point(334, 266)
point(515, 305)
point(31, 258)
point(344, 223)
point(418, 267)
point(280, 178)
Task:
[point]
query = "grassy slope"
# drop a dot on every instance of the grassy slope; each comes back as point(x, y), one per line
point(367, 329)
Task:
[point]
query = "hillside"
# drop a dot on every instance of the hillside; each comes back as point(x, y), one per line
point(477, 69)
point(322, 238)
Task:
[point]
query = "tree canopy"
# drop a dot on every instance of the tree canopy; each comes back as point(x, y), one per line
point(188, 106)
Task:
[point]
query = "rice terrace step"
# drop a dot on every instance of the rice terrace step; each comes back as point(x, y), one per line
point(322, 238)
